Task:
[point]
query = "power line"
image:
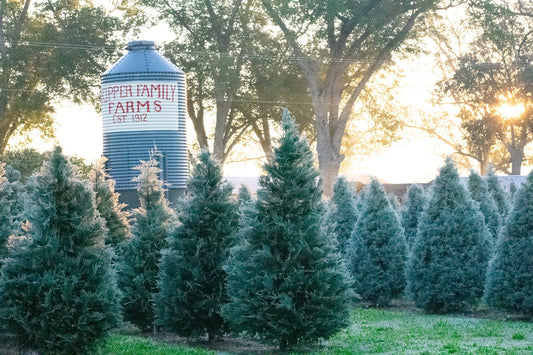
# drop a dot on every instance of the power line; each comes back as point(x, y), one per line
point(205, 53)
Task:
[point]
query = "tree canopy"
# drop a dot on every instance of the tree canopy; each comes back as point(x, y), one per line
point(49, 50)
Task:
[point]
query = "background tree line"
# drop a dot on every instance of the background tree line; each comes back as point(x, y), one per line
point(326, 61)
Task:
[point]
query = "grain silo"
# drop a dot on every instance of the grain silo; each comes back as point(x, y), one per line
point(143, 110)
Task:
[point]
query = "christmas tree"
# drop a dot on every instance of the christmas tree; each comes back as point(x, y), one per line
point(448, 262)
point(286, 281)
point(497, 192)
point(342, 212)
point(111, 210)
point(411, 211)
point(192, 286)
point(510, 277)
point(139, 263)
point(378, 250)
point(479, 192)
point(5, 214)
point(58, 290)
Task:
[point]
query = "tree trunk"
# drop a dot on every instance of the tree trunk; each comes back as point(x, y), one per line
point(329, 157)
point(484, 165)
point(517, 158)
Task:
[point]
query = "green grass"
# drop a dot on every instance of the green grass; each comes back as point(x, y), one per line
point(133, 345)
point(390, 332)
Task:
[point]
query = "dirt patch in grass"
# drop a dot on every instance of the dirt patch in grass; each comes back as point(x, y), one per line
point(227, 344)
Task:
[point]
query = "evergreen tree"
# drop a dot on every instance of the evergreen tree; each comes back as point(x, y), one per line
point(246, 208)
point(411, 211)
point(243, 196)
point(58, 289)
point(5, 214)
point(378, 252)
point(342, 212)
point(111, 210)
point(139, 265)
point(287, 282)
point(192, 286)
point(448, 262)
point(497, 192)
point(510, 276)
point(479, 192)
point(512, 190)
point(14, 192)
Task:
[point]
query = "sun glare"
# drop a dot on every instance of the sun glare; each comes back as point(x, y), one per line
point(510, 111)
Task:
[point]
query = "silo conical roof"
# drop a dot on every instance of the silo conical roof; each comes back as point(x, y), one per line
point(142, 58)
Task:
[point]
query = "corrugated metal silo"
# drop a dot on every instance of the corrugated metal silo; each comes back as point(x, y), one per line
point(143, 108)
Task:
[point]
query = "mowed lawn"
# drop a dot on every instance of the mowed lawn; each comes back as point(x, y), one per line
point(377, 332)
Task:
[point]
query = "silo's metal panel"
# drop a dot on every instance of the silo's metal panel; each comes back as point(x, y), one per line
point(143, 109)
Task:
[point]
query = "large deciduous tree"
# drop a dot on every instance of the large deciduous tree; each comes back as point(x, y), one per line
point(339, 46)
point(48, 50)
point(491, 85)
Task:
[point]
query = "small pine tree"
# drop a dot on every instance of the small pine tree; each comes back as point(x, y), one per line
point(286, 281)
point(139, 265)
point(243, 196)
point(512, 191)
point(510, 276)
point(378, 252)
point(5, 214)
point(479, 192)
point(14, 194)
point(448, 262)
point(191, 274)
point(498, 193)
point(411, 211)
point(111, 210)
point(342, 212)
point(58, 290)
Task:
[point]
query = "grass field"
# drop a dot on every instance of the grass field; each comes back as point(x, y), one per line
point(375, 332)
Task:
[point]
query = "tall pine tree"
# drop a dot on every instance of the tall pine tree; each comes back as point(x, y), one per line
point(510, 277)
point(342, 212)
point(479, 192)
point(112, 211)
point(192, 286)
point(139, 264)
point(411, 211)
point(58, 289)
point(378, 252)
point(287, 282)
point(448, 262)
